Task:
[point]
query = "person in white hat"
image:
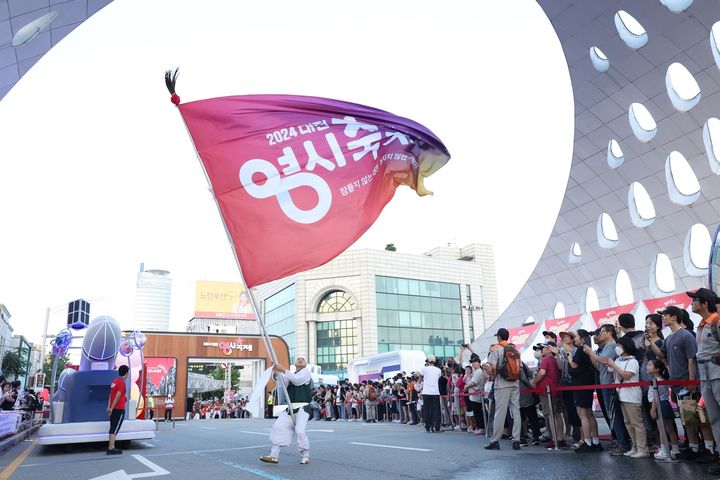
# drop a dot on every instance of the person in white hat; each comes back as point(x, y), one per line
point(299, 387)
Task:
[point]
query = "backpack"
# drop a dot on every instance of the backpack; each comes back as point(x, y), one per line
point(372, 394)
point(511, 363)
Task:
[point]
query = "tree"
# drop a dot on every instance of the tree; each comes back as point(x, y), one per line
point(390, 247)
point(219, 374)
point(47, 368)
point(15, 363)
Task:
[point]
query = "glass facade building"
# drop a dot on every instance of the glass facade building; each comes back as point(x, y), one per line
point(418, 315)
point(336, 339)
point(336, 344)
point(280, 317)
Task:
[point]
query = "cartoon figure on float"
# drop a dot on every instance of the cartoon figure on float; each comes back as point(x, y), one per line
point(78, 406)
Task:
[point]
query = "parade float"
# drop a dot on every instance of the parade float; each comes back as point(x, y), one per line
point(80, 400)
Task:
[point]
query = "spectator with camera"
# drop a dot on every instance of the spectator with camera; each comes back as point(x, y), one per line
point(583, 374)
point(606, 339)
point(572, 420)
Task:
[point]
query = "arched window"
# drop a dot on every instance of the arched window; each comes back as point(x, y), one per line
point(336, 301)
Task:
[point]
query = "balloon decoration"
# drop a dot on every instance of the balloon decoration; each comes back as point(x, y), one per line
point(63, 378)
point(62, 342)
point(126, 347)
point(138, 339)
point(64, 338)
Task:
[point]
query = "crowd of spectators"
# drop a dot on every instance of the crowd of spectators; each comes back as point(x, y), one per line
point(609, 371)
point(217, 408)
point(22, 400)
point(479, 396)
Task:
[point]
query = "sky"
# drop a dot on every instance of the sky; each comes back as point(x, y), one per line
point(98, 173)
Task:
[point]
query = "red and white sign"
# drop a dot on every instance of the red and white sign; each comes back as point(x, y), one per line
point(519, 336)
point(561, 324)
point(680, 300)
point(160, 375)
point(610, 315)
point(300, 179)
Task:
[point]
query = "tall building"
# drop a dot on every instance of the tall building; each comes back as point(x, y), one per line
point(6, 331)
point(370, 301)
point(152, 300)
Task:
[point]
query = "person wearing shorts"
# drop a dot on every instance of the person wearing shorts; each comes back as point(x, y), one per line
point(583, 374)
point(116, 408)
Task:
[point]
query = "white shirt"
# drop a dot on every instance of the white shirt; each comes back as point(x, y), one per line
point(301, 377)
point(431, 377)
point(628, 364)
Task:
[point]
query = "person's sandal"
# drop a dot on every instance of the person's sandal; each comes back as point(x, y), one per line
point(268, 459)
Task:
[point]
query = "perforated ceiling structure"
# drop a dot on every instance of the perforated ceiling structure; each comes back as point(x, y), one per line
point(619, 72)
point(15, 61)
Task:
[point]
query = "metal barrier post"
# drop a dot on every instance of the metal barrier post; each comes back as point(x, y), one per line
point(487, 417)
point(553, 427)
point(664, 444)
point(173, 420)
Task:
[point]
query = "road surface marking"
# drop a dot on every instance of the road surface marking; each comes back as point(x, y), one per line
point(209, 428)
point(253, 470)
point(10, 469)
point(155, 471)
point(326, 431)
point(392, 446)
point(264, 445)
point(254, 433)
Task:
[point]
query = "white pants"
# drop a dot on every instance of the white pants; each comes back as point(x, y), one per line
point(282, 433)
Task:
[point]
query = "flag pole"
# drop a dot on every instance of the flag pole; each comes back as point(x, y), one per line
point(170, 79)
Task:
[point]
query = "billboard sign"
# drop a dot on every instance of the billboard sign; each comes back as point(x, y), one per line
point(222, 300)
point(160, 376)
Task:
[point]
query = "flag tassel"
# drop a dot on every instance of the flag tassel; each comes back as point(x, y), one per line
point(170, 81)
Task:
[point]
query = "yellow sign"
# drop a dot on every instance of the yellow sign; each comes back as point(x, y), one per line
point(222, 300)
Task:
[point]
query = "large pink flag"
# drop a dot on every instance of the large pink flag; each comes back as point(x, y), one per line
point(299, 179)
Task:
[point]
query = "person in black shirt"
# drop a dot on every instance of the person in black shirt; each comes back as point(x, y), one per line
point(583, 373)
point(443, 388)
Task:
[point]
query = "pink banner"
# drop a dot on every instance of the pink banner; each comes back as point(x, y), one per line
point(561, 324)
point(160, 375)
point(519, 336)
point(680, 300)
point(610, 315)
point(300, 179)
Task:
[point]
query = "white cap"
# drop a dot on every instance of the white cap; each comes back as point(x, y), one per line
point(431, 358)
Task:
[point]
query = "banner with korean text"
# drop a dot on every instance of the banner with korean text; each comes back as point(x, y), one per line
point(299, 179)
point(680, 300)
point(610, 315)
point(519, 336)
point(561, 324)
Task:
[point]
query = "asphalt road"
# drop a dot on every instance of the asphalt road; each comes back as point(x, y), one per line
point(205, 449)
